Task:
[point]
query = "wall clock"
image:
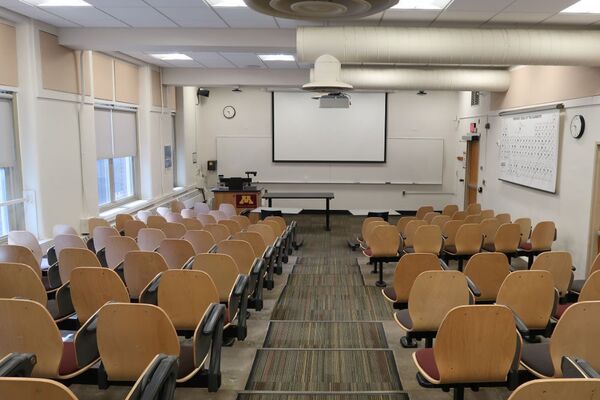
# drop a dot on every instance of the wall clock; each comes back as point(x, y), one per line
point(229, 112)
point(577, 126)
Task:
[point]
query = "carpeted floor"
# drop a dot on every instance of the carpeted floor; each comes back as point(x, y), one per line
point(330, 396)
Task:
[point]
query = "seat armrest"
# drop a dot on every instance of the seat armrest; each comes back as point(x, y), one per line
point(63, 300)
point(240, 285)
point(258, 265)
point(269, 252)
point(54, 276)
point(236, 295)
point(278, 242)
point(577, 368)
point(86, 346)
point(158, 379)
point(443, 265)
point(52, 256)
point(521, 327)
point(119, 266)
point(473, 288)
point(150, 293)
point(211, 323)
point(17, 365)
point(188, 264)
point(214, 249)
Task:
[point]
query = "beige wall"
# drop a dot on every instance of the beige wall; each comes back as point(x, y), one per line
point(169, 100)
point(126, 82)
point(103, 77)
point(8, 50)
point(156, 93)
point(545, 84)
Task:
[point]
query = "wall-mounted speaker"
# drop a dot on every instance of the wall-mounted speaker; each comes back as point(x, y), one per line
point(203, 92)
point(211, 165)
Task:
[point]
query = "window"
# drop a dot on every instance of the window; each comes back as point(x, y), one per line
point(116, 147)
point(11, 203)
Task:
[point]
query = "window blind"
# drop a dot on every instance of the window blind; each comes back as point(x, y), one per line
point(104, 144)
point(7, 134)
point(124, 134)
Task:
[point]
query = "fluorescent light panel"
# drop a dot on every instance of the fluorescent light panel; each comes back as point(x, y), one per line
point(171, 56)
point(583, 7)
point(422, 4)
point(227, 3)
point(57, 3)
point(276, 57)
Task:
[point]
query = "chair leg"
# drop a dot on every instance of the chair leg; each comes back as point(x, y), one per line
point(374, 271)
point(380, 282)
point(529, 261)
point(408, 343)
point(459, 393)
point(460, 264)
point(429, 343)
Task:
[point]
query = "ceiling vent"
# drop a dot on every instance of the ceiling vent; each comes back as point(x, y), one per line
point(326, 76)
point(320, 9)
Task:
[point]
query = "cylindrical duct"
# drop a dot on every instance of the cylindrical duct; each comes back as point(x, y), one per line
point(389, 78)
point(391, 45)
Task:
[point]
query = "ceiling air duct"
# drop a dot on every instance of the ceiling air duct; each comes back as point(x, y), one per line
point(320, 9)
point(326, 76)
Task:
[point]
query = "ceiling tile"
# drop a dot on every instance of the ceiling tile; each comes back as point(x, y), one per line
point(243, 17)
point(193, 17)
point(140, 17)
point(244, 60)
point(211, 60)
point(519, 18)
point(37, 13)
point(117, 3)
point(539, 6)
point(465, 16)
point(295, 23)
point(573, 19)
point(281, 64)
point(479, 6)
point(410, 15)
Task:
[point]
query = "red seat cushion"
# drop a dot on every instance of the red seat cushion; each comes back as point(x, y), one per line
point(186, 359)
point(368, 252)
point(403, 317)
point(525, 246)
point(560, 310)
point(426, 360)
point(68, 362)
point(390, 293)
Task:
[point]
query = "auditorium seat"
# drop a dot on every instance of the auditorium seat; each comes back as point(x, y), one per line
point(19, 254)
point(192, 224)
point(504, 218)
point(506, 240)
point(370, 226)
point(27, 239)
point(384, 243)
point(116, 249)
point(202, 241)
point(231, 285)
point(71, 258)
point(173, 217)
point(449, 210)
point(473, 219)
point(449, 230)
point(430, 216)
point(63, 229)
point(532, 298)
point(91, 288)
point(228, 209)
point(468, 241)
point(189, 213)
point(280, 233)
point(163, 211)
point(139, 268)
point(288, 234)
point(120, 220)
point(177, 206)
point(440, 220)
point(410, 232)
point(173, 230)
point(459, 216)
point(101, 235)
point(401, 224)
point(156, 221)
point(232, 225)
point(560, 265)
point(577, 284)
point(485, 214)
point(557, 389)
point(143, 216)
point(95, 222)
point(131, 335)
point(176, 252)
point(408, 268)
point(422, 211)
point(464, 357)
point(541, 240)
point(473, 209)
point(132, 228)
point(219, 232)
point(261, 250)
point(201, 208)
point(149, 239)
point(206, 219)
point(28, 327)
point(575, 334)
point(487, 271)
point(589, 292)
point(217, 215)
point(270, 239)
point(427, 239)
point(242, 220)
point(489, 227)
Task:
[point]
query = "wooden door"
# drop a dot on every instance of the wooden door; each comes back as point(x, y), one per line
point(472, 171)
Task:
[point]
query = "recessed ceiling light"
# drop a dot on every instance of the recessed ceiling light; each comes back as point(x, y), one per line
point(583, 7)
point(57, 3)
point(227, 3)
point(171, 56)
point(422, 4)
point(277, 57)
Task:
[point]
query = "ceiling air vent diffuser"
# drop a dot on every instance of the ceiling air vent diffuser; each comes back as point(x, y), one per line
point(320, 9)
point(326, 76)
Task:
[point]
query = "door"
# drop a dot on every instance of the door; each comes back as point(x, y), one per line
point(472, 171)
point(594, 247)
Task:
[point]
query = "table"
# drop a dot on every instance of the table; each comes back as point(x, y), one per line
point(328, 196)
point(365, 212)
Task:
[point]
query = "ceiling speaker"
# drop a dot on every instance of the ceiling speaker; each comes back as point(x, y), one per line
point(320, 9)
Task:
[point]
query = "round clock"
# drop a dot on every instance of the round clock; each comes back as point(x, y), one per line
point(229, 112)
point(577, 126)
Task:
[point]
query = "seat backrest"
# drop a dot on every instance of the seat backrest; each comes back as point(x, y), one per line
point(91, 288)
point(228, 209)
point(508, 238)
point(120, 220)
point(201, 240)
point(101, 235)
point(530, 295)
point(206, 219)
point(265, 231)
point(95, 222)
point(71, 258)
point(489, 227)
point(401, 224)
point(422, 211)
point(219, 232)
point(476, 344)
point(185, 296)
point(430, 216)
point(149, 239)
point(217, 215)
point(26, 239)
point(428, 239)
point(242, 220)
point(173, 217)
point(473, 209)
point(201, 208)
point(560, 265)
point(384, 241)
point(485, 214)
point(116, 249)
point(279, 219)
point(192, 224)
point(139, 268)
point(34, 389)
point(130, 336)
point(449, 210)
point(473, 219)
point(176, 252)
point(369, 230)
point(173, 230)
point(232, 225)
point(468, 239)
point(10, 253)
point(411, 230)
point(275, 225)
point(20, 280)
point(449, 231)
point(177, 206)
point(488, 271)
point(241, 251)
point(62, 229)
point(459, 215)
point(222, 269)
point(440, 220)
point(591, 288)
point(255, 239)
point(64, 241)
point(576, 335)
point(156, 221)
point(543, 235)
point(433, 294)
point(595, 265)
point(163, 211)
point(408, 268)
point(27, 327)
point(525, 225)
point(132, 228)
point(557, 389)
point(504, 218)
point(143, 215)
point(188, 213)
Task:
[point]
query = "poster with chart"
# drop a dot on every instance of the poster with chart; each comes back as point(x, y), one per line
point(529, 146)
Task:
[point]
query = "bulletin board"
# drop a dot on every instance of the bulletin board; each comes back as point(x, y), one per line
point(529, 146)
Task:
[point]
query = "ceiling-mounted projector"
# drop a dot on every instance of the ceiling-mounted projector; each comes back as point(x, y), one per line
point(320, 9)
point(335, 100)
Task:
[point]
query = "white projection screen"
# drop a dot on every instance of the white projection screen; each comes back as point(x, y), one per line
point(303, 132)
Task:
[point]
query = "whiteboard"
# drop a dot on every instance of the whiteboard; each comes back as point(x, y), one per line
point(409, 161)
point(528, 149)
point(304, 132)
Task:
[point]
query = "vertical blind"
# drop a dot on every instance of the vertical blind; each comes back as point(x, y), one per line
point(116, 133)
point(7, 134)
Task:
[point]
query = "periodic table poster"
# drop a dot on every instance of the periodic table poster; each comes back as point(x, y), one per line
point(529, 146)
